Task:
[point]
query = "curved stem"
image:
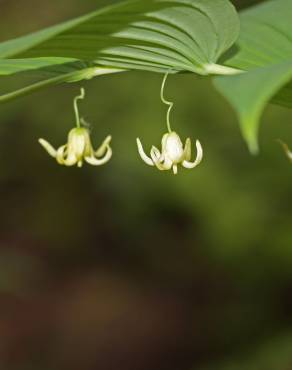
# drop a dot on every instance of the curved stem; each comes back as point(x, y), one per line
point(79, 97)
point(170, 104)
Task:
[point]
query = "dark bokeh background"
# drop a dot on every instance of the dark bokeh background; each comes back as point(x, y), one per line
point(127, 268)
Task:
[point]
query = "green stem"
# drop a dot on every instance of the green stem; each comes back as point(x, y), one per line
point(75, 104)
point(170, 104)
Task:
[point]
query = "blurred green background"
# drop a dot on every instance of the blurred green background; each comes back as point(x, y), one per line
point(123, 267)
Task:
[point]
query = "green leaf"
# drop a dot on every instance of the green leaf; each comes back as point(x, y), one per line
point(185, 35)
point(250, 92)
point(12, 66)
point(265, 36)
point(264, 50)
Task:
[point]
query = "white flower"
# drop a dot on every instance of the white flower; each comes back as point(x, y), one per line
point(172, 153)
point(79, 149)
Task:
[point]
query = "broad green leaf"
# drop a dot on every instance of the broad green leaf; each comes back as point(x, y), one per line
point(153, 35)
point(184, 35)
point(250, 92)
point(264, 50)
point(265, 36)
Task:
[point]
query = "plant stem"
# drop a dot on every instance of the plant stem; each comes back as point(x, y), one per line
point(79, 97)
point(170, 104)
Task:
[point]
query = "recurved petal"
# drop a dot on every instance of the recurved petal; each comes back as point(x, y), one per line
point(199, 158)
point(60, 156)
point(65, 157)
point(144, 157)
point(155, 153)
point(162, 163)
point(99, 161)
point(71, 160)
point(157, 158)
point(104, 146)
point(48, 147)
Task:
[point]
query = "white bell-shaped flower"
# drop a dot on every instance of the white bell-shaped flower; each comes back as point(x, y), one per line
point(172, 153)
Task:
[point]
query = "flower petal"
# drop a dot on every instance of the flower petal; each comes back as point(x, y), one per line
point(163, 142)
point(77, 142)
point(60, 157)
point(104, 146)
point(155, 152)
point(199, 158)
point(48, 147)
point(188, 150)
point(144, 157)
point(157, 158)
point(174, 169)
point(167, 163)
point(98, 162)
point(163, 164)
point(69, 159)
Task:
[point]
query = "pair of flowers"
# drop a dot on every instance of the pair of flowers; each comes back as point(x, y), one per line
point(79, 147)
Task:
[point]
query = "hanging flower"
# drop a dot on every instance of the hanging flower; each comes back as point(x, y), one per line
point(172, 153)
point(79, 147)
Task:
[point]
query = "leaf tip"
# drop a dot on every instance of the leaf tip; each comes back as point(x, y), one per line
point(253, 145)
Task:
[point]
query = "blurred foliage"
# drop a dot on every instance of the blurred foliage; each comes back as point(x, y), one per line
point(272, 355)
point(127, 267)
